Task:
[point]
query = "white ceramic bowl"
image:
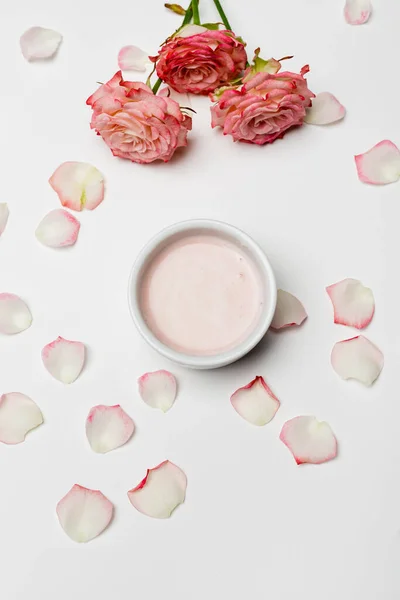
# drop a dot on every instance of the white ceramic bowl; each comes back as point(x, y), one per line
point(225, 231)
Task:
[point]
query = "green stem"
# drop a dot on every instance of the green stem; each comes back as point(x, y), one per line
point(188, 15)
point(195, 9)
point(222, 15)
point(156, 86)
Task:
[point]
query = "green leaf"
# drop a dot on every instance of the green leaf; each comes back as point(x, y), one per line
point(212, 26)
point(176, 8)
point(260, 65)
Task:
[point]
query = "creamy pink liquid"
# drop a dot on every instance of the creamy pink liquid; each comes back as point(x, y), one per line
point(201, 295)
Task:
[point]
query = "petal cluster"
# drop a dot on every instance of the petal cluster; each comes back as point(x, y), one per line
point(264, 108)
point(199, 60)
point(135, 123)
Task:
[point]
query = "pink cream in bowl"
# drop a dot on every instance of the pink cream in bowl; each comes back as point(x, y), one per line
point(202, 293)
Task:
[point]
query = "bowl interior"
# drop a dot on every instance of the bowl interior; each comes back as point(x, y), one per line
point(225, 232)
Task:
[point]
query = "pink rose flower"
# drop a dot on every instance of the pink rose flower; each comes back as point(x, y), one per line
point(135, 123)
point(264, 107)
point(200, 63)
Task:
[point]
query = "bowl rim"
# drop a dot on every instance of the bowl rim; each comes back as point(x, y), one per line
point(266, 271)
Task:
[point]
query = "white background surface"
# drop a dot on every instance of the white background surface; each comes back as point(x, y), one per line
point(254, 525)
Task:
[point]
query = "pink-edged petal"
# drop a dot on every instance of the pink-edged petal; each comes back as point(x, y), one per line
point(353, 303)
point(38, 43)
point(255, 402)
point(158, 389)
point(160, 492)
point(15, 316)
point(325, 109)
point(190, 30)
point(64, 359)
point(4, 214)
point(379, 165)
point(132, 58)
point(309, 440)
point(357, 358)
point(108, 427)
point(182, 99)
point(78, 185)
point(18, 415)
point(357, 12)
point(289, 311)
point(58, 229)
point(84, 513)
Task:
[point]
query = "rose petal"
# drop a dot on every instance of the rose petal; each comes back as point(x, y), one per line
point(84, 513)
point(190, 30)
point(18, 415)
point(38, 43)
point(325, 109)
point(380, 165)
point(108, 427)
point(58, 229)
point(15, 316)
point(309, 440)
point(160, 492)
point(4, 214)
point(132, 58)
point(289, 311)
point(357, 358)
point(353, 304)
point(64, 359)
point(357, 12)
point(78, 185)
point(255, 402)
point(158, 389)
